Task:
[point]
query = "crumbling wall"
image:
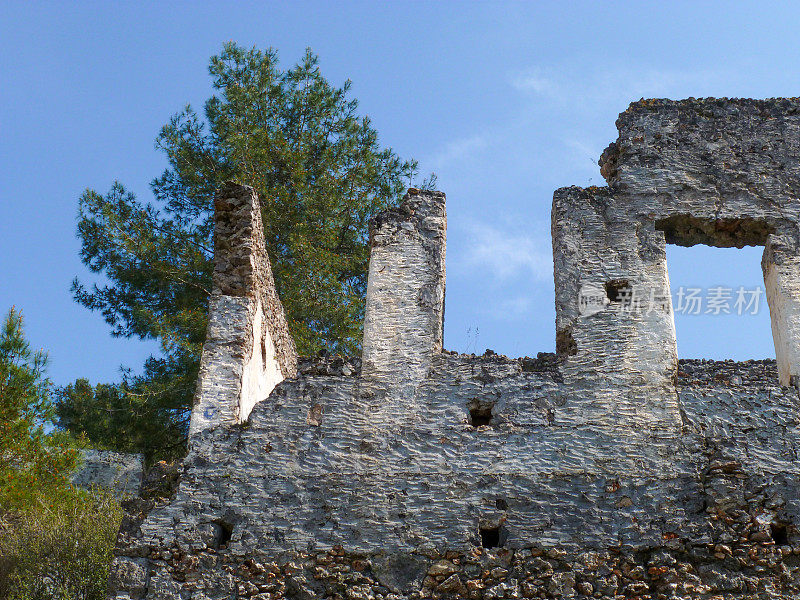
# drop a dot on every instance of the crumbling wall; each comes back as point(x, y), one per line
point(248, 347)
point(120, 473)
point(295, 509)
point(722, 172)
point(613, 311)
point(404, 316)
point(607, 470)
point(725, 161)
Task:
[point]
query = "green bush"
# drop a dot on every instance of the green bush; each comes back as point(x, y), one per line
point(35, 460)
point(59, 549)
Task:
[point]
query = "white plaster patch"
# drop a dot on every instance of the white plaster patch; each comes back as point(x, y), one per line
point(263, 371)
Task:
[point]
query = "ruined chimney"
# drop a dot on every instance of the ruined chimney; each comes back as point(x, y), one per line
point(248, 348)
point(405, 290)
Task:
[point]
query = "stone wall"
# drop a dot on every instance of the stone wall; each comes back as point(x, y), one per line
point(248, 348)
point(118, 472)
point(607, 470)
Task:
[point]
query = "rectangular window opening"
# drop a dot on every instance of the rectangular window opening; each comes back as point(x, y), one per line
point(719, 302)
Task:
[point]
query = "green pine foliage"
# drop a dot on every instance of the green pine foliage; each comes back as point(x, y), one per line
point(115, 417)
point(33, 460)
point(55, 540)
point(320, 173)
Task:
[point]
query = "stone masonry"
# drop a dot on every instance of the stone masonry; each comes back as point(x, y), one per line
point(118, 472)
point(248, 349)
point(607, 470)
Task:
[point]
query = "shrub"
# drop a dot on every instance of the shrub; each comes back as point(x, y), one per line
point(59, 548)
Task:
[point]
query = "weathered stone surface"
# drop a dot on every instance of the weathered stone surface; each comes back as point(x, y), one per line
point(714, 159)
point(607, 470)
point(404, 318)
point(597, 248)
point(781, 266)
point(129, 574)
point(329, 364)
point(118, 472)
point(242, 268)
point(248, 348)
point(722, 172)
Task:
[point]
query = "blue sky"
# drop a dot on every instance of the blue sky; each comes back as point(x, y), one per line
point(504, 101)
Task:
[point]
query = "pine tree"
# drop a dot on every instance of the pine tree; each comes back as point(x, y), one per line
point(33, 460)
point(320, 173)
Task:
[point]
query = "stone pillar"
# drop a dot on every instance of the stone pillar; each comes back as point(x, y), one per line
point(614, 318)
point(781, 266)
point(405, 290)
point(248, 348)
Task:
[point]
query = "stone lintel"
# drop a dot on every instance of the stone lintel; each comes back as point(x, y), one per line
point(725, 160)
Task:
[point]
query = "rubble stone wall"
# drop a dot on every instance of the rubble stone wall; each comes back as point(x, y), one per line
point(120, 473)
point(607, 470)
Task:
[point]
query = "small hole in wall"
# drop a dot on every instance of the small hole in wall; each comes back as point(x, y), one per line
point(565, 343)
point(490, 537)
point(501, 504)
point(225, 534)
point(616, 288)
point(480, 414)
point(264, 352)
point(779, 533)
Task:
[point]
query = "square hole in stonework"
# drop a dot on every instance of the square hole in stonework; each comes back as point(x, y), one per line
point(719, 302)
point(480, 413)
point(224, 534)
point(779, 533)
point(492, 537)
point(616, 288)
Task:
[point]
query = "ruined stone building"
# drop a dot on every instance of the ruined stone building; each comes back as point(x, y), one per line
point(607, 470)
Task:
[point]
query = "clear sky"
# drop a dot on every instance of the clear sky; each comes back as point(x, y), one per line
point(504, 101)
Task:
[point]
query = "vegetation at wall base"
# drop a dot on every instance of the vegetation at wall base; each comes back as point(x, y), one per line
point(55, 540)
point(59, 548)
